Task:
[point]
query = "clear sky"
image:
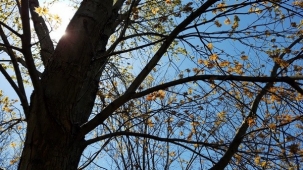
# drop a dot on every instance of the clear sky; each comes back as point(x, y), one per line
point(230, 47)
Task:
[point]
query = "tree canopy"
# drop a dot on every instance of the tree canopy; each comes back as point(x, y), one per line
point(152, 84)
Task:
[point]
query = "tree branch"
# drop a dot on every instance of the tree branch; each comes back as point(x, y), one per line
point(288, 80)
point(20, 89)
point(46, 44)
point(21, 95)
point(136, 83)
point(4, 46)
point(10, 29)
point(153, 62)
point(127, 133)
point(126, 24)
point(233, 147)
point(26, 47)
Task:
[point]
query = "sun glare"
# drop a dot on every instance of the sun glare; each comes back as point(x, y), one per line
point(65, 13)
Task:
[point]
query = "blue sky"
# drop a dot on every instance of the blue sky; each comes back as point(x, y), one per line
point(231, 47)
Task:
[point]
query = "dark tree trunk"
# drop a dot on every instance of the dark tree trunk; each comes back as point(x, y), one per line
point(69, 82)
point(49, 144)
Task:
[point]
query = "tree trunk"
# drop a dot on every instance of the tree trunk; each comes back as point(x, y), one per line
point(49, 144)
point(70, 83)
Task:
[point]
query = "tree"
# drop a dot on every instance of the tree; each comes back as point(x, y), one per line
point(153, 84)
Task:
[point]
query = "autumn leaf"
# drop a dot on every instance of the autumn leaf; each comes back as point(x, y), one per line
point(190, 91)
point(200, 61)
point(251, 121)
point(286, 118)
point(150, 97)
point(221, 6)
point(221, 115)
point(281, 62)
point(263, 164)
point(218, 24)
point(294, 148)
point(13, 161)
point(209, 64)
point(244, 57)
point(189, 137)
point(224, 64)
point(13, 144)
point(155, 10)
point(168, 1)
point(57, 18)
point(299, 97)
point(172, 154)
point(227, 21)
point(272, 126)
point(210, 46)
point(149, 123)
point(213, 57)
point(161, 94)
point(41, 11)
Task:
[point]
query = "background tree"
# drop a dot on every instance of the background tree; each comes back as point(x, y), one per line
point(154, 84)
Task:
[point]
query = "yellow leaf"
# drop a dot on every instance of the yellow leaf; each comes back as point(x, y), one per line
point(263, 164)
point(150, 97)
point(200, 61)
point(227, 21)
point(168, 1)
point(57, 18)
point(224, 64)
point(238, 66)
point(208, 64)
point(221, 115)
point(286, 118)
point(299, 97)
point(13, 144)
point(161, 94)
point(155, 10)
point(194, 123)
point(272, 126)
point(41, 11)
point(190, 91)
point(221, 6)
point(257, 160)
point(258, 11)
point(281, 62)
point(210, 46)
point(251, 121)
point(149, 123)
point(172, 154)
point(213, 57)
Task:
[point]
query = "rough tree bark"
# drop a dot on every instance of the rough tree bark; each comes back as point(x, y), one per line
point(69, 84)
